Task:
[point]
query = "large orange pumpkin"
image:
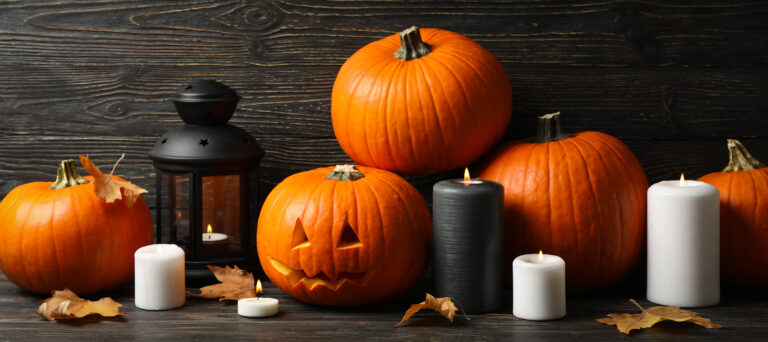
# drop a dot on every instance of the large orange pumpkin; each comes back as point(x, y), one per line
point(743, 187)
point(60, 235)
point(420, 107)
point(580, 196)
point(344, 236)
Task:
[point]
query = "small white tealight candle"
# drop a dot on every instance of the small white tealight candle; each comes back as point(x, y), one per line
point(159, 277)
point(257, 306)
point(538, 287)
point(683, 243)
point(211, 238)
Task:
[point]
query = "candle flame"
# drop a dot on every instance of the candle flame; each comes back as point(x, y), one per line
point(541, 257)
point(178, 216)
point(466, 173)
point(258, 288)
point(209, 230)
point(682, 179)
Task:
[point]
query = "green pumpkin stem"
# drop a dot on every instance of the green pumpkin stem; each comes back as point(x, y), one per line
point(345, 173)
point(67, 176)
point(549, 128)
point(411, 45)
point(740, 159)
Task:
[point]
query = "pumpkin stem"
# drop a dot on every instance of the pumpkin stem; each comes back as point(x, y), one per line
point(345, 173)
point(67, 176)
point(740, 158)
point(411, 45)
point(549, 128)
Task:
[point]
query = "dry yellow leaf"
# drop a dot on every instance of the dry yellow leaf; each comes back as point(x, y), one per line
point(235, 284)
point(625, 323)
point(108, 188)
point(443, 305)
point(65, 304)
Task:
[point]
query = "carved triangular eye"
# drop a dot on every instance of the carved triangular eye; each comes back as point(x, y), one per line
point(349, 238)
point(299, 239)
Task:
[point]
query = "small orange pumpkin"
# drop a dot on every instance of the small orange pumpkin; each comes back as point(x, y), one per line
point(344, 235)
point(743, 186)
point(418, 106)
point(580, 196)
point(60, 235)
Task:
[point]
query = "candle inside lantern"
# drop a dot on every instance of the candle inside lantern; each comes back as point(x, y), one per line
point(257, 306)
point(683, 243)
point(468, 242)
point(538, 287)
point(211, 238)
point(159, 277)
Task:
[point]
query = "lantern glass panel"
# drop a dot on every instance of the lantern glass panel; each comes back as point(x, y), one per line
point(221, 210)
point(177, 231)
point(164, 213)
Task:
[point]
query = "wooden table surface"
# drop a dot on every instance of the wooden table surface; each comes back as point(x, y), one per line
point(744, 316)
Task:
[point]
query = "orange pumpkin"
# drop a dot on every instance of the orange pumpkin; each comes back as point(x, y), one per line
point(420, 107)
point(344, 236)
point(743, 187)
point(580, 196)
point(60, 235)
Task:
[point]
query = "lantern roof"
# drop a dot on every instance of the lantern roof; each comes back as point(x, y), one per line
point(206, 142)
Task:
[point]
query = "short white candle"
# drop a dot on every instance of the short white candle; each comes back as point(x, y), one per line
point(214, 238)
point(257, 307)
point(683, 244)
point(159, 277)
point(211, 238)
point(538, 287)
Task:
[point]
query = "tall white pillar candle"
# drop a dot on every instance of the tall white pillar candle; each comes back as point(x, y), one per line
point(683, 244)
point(538, 287)
point(159, 277)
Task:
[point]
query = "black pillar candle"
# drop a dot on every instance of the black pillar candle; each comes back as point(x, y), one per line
point(468, 242)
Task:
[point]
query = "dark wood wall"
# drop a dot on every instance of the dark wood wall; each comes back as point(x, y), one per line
point(672, 79)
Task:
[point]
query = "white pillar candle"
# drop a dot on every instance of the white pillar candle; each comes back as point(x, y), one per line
point(159, 277)
point(538, 287)
point(257, 307)
point(683, 244)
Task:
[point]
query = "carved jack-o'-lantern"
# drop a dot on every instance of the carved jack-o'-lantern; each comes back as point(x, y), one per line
point(344, 236)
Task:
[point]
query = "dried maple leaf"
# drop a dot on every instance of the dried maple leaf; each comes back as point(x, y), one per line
point(628, 322)
point(443, 305)
point(107, 188)
point(65, 304)
point(235, 284)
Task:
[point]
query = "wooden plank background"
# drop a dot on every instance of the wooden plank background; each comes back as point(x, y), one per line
point(672, 79)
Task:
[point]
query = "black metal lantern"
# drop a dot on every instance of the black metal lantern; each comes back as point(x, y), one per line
point(206, 181)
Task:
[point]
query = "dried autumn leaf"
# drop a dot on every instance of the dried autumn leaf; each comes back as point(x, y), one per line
point(107, 188)
point(443, 305)
point(625, 323)
point(65, 304)
point(235, 284)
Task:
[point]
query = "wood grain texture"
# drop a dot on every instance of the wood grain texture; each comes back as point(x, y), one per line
point(742, 315)
point(636, 103)
point(280, 33)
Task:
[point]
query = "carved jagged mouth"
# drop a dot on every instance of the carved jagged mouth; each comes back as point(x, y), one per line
point(321, 279)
